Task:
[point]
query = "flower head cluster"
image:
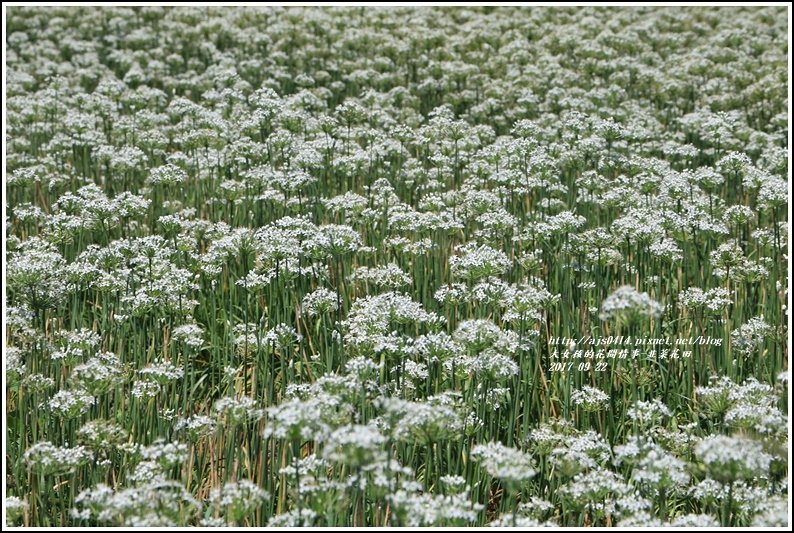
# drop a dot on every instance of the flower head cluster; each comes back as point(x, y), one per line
point(627, 301)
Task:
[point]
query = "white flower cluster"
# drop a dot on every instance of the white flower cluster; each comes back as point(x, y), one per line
point(732, 458)
point(713, 300)
point(627, 300)
point(589, 398)
point(237, 499)
point(48, 458)
point(507, 464)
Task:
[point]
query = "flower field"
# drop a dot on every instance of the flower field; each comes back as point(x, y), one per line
point(396, 267)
